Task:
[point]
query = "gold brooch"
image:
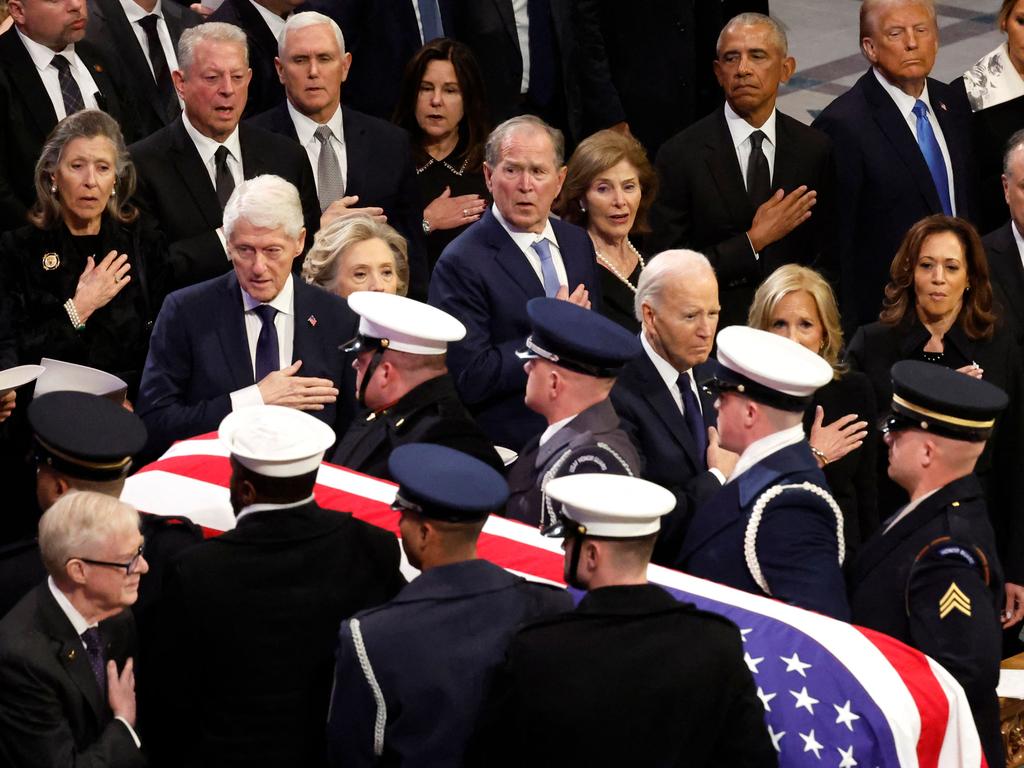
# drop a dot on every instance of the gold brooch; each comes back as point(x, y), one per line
point(50, 261)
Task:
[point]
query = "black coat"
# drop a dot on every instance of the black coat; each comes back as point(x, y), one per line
point(1007, 275)
point(901, 584)
point(265, 88)
point(876, 348)
point(703, 204)
point(21, 569)
point(52, 712)
point(648, 681)
point(250, 624)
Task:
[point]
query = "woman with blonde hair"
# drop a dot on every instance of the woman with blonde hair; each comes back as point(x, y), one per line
point(357, 253)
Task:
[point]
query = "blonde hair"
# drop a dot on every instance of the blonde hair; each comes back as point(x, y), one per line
point(322, 262)
point(79, 522)
point(790, 278)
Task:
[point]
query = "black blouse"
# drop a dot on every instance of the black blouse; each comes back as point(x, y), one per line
point(617, 297)
point(432, 176)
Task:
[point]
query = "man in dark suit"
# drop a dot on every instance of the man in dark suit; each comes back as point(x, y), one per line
point(188, 169)
point(67, 648)
point(47, 72)
point(143, 35)
point(1005, 246)
point(902, 150)
point(251, 616)
point(360, 159)
point(514, 253)
point(254, 336)
point(580, 669)
point(773, 529)
point(658, 396)
point(740, 185)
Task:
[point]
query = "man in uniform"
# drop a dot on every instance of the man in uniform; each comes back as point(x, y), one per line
point(411, 674)
point(930, 576)
point(773, 529)
point(402, 380)
point(573, 356)
point(568, 693)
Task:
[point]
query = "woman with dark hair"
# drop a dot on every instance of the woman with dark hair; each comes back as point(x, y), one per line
point(80, 275)
point(608, 190)
point(441, 104)
point(938, 307)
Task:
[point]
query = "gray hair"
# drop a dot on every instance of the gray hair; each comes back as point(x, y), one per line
point(1015, 143)
point(211, 31)
point(323, 260)
point(309, 19)
point(776, 31)
point(869, 8)
point(267, 202)
point(78, 524)
point(665, 266)
point(492, 150)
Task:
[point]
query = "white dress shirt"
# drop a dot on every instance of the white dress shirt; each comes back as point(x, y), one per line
point(42, 57)
point(761, 449)
point(905, 103)
point(284, 324)
point(305, 128)
point(525, 241)
point(908, 508)
point(274, 22)
point(253, 508)
point(548, 433)
point(740, 131)
point(523, 35)
point(207, 149)
point(1018, 240)
point(135, 15)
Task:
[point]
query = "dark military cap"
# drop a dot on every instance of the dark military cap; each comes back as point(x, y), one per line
point(578, 339)
point(441, 483)
point(85, 436)
point(940, 400)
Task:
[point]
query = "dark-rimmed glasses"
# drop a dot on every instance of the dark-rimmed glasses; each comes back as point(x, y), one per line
point(128, 567)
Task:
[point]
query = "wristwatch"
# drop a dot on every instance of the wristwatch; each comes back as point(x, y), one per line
point(426, 227)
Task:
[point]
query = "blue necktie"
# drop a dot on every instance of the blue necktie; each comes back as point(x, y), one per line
point(430, 18)
point(547, 268)
point(694, 418)
point(933, 155)
point(268, 358)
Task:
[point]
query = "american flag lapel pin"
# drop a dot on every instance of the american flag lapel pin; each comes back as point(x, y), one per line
point(312, 321)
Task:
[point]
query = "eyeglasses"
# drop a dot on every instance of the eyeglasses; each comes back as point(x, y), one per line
point(128, 567)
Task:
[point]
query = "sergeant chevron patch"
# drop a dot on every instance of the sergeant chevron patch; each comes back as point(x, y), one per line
point(954, 600)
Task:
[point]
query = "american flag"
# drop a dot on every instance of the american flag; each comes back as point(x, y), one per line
point(835, 694)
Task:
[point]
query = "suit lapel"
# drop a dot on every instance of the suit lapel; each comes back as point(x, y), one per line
point(662, 403)
point(950, 132)
point(24, 77)
point(1009, 269)
point(508, 19)
point(230, 325)
point(724, 169)
point(511, 259)
point(129, 49)
point(787, 156)
point(356, 153)
point(194, 176)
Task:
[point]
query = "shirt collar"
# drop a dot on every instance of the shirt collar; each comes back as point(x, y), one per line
point(761, 449)
point(908, 508)
point(273, 21)
point(740, 129)
point(284, 302)
point(135, 13)
point(77, 620)
point(208, 147)
point(252, 508)
point(904, 101)
point(548, 433)
point(525, 239)
point(1017, 238)
point(42, 56)
point(305, 127)
point(664, 368)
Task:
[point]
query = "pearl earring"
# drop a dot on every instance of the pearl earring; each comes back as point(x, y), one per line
point(583, 208)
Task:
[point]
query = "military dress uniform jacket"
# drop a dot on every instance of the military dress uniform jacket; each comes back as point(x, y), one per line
point(429, 413)
point(591, 442)
point(934, 581)
point(645, 680)
point(419, 667)
point(798, 553)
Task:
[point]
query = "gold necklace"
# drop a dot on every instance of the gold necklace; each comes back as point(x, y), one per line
point(611, 267)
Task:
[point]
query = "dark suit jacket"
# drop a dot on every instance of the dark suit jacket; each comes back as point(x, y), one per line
point(380, 171)
point(52, 712)
point(484, 280)
point(199, 354)
point(28, 117)
point(175, 188)
point(265, 89)
point(884, 184)
point(251, 624)
point(110, 30)
point(654, 423)
point(703, 204)
point(1007, 274)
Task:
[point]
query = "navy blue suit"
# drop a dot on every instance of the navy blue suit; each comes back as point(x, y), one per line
point(884, 185)
point(484, 280)
point(796, 540)
point(433, 651)
point(199, 354)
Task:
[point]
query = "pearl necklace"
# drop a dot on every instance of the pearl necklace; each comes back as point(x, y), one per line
point(611, 267)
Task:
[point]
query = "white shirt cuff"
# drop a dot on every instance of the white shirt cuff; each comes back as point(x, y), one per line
point(757, 256)
point(718, 474)
point(135, 736)
point(243, 398)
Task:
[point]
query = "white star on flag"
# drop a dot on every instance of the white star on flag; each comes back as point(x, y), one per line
point(844, 715)
point(793, 664)
point(744, 633)
point(776, 738)
point(847, 755)
point(765, 698)
point(811, 744)
point(805, 700)
point(752, 663)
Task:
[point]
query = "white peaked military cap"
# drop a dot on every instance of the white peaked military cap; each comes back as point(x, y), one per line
point(275, 441)
point(406, 324)
point(613, 506)
point(769, 368)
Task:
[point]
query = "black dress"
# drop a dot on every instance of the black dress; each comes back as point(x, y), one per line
point(432, 176)
point(617, 297)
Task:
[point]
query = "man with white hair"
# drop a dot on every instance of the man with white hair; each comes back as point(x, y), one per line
point(363, 165)
point(66, 650)
point(188, 170)
point(254, 336)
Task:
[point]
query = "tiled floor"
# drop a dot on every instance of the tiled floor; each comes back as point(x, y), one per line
point(823, 38)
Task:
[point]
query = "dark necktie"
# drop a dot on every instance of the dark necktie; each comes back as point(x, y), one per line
point(268, 358)
point(161, 72)
point(225, 181)
point(542, 52)
point(93, 641)
point(933, 155)
point(694, 417)
point(759, 177)
point(69, 90)
point(430, 18)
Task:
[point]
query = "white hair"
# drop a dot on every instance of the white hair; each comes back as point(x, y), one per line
point(666, 266)
point(492, 150)
point(267, 202)
point(211, 31)
point(78, 524)
point(309, 19)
